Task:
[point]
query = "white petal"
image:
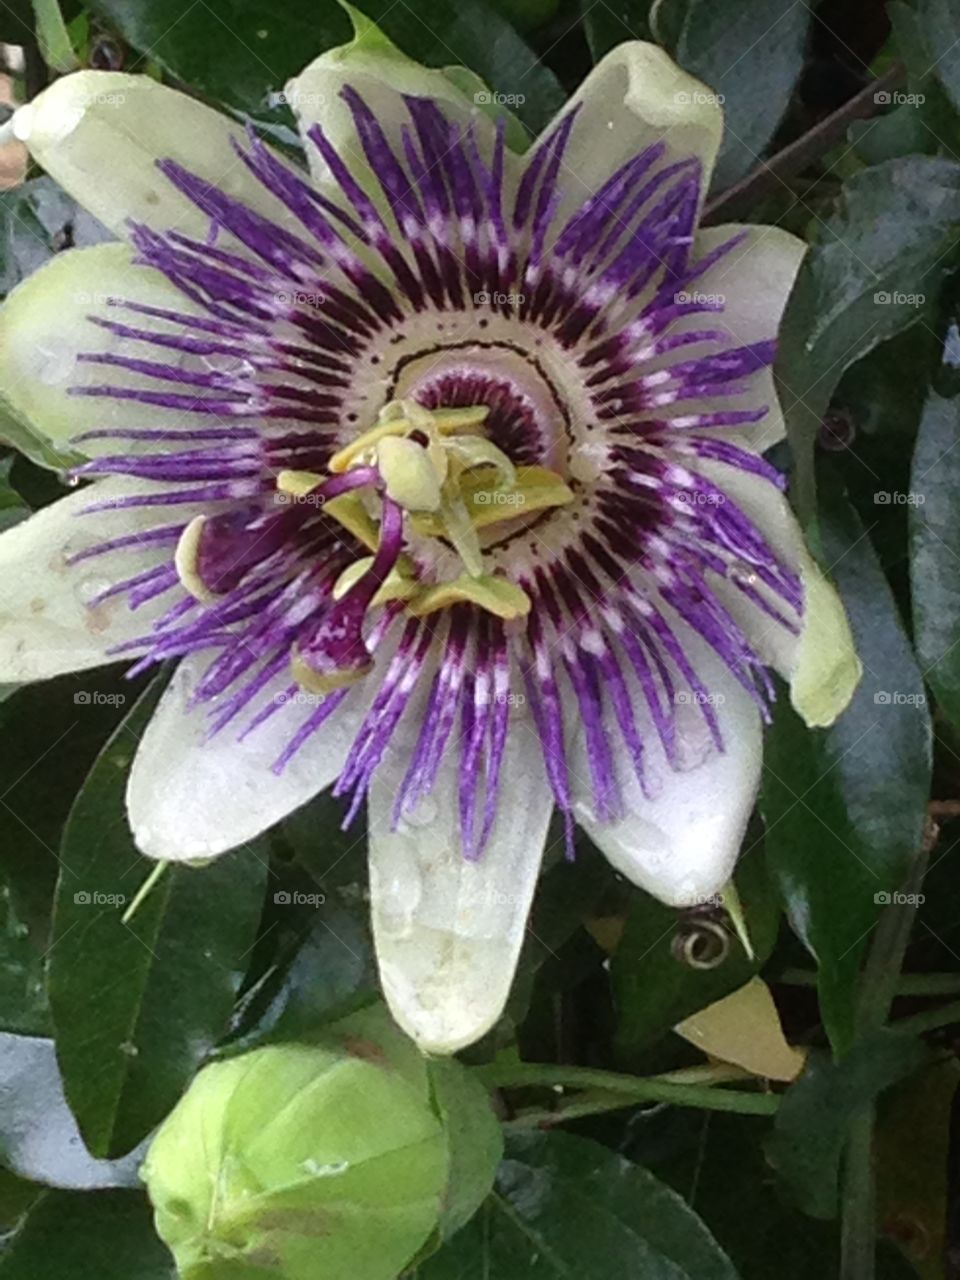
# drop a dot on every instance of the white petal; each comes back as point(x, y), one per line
point(381, 74)
point(46, 623)
point(448, 932)
point(634, 97)
point(44, 327)
point(190, 797)
point(681, 843)
point(100, 133)
point(821, 663)
point(753, 281)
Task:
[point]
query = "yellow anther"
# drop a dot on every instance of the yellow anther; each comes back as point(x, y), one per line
point(499, 596)
point(349, 510)
point(536, 489)
point(399, 418)
point(298, 483)
point(327, 682)
point(185, 562)
point(408, 474)
point(399, 584)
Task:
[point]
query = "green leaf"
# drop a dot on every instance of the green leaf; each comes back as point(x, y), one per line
point(13, 509)
point(39, 1139)
point(751, 53)
point(934, 515)
point(474, 1137)
point(654, 990)
point(845, 807)
point(564, 1207)
point(51, 734)
point(607, 25)
point(874, 265)
point(23, 996)
point(37, 220)
point(105, 1236)
point(318, 974)
point(138, 1006)
point(812, 1123)
point(244, 60)
point(939, 21)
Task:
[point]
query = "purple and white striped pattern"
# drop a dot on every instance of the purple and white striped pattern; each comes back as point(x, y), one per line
point(458, 263)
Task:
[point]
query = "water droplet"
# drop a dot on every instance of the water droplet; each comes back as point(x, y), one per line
point(89, 588)
point(317, 1170)
point(129, 1049)
point(424, 814)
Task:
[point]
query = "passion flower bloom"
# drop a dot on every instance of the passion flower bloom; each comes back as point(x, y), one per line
point(440, 470)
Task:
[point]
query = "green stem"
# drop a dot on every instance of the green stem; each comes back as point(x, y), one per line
point(910, 984)
point(858, 1232)
point(613, 1089)
point(878, 986)
point(929, 1020)
point(53, 37)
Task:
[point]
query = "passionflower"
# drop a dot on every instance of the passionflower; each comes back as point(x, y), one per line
point(439, 469)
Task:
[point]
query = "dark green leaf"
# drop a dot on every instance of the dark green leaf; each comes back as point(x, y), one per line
point(875, 264)
point(474, 1136)
point(13, 509)
point(655, 991)
point(934, 514)
point(37, 220)
point(39, 1139)
point(939, 22)
point(241, 55)
point(845, 807)
point(811, 1126)
point(608, 25)
point(105, 1236)
point(23, 996)
point(51, 734)
point(138, 1006)
point(751, 53)
point(318, 974)
point(564, 1207)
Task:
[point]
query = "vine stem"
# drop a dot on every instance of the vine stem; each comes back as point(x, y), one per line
point(610, 1090)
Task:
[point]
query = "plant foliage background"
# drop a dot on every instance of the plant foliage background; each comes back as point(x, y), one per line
point(844, 126)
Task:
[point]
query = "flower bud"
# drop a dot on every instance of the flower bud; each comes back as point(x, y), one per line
point(350, 1156)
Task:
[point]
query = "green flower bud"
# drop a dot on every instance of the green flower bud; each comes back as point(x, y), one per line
point(351, 1156)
